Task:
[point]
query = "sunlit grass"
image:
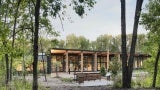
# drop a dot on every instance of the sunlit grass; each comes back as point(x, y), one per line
point(19, 84)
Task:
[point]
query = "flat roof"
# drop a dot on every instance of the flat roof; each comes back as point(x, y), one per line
point(78, 51)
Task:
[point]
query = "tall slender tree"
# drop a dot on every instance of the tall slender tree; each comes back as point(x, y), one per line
point(151, 21)
point(13, 35)
point(127, 68)
point(123, 47)
point(35, 46)
point(134, 40)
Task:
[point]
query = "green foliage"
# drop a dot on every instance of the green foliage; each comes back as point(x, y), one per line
point(102, 71)
point(145, 83)
point(18, 84)
point(79, 10)
point(115, 66)
point(74, 42)
point(103, 42)
point(80, 5)
point(149, 63)
point(2, 71)
point(117, 83)
point(151, 21)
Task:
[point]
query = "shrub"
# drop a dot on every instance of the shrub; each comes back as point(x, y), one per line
point(117, 83)
point(102, 71)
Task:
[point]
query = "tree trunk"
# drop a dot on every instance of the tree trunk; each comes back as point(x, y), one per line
point(13, 37)
point(44, 70)
point(134, 39)
point(123, 46)
point(156, 68)
point(35, 46)
point(6, 54)
point(7, 68)
point(23, 61)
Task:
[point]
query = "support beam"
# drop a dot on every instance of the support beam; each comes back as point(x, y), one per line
point(95, 62)
point(66, 61)
point(81, 61)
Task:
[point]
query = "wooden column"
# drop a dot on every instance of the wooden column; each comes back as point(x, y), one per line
point(119, 57)
point(135, 63)
point(66, 61)
point(95, 61)
point(81, 61)
point(107, 60)
point(141, 62)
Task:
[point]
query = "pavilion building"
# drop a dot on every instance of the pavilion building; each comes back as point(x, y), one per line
point(87, 60)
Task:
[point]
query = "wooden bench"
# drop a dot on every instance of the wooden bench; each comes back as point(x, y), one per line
point(81, 77)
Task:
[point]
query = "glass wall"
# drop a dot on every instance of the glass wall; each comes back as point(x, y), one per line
point(58, 62)
point(74, 63)
point(88, 63)
point(101, 62)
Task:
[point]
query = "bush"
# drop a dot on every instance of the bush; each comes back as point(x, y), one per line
point(142, 82)
point(117, 83)
point(102, 71)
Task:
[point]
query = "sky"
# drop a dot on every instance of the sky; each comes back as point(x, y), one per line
point(104, 18)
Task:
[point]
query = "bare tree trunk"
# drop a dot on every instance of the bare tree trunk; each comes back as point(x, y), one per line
point(24, 66)
point(7, 68)
point(123, 46)
point(35, 46)
point(134, 40)
point(44, 70)
point(156, 68)
point(13, 37)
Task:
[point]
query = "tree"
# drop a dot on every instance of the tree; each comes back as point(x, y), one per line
point(103, 42)
point(151, 22)
point(61, 44)
point(134, 39)
point(116, 44)
point(83, 43)
point(123, 46)
point(35, 46)
point(72, 41)
point(127, 68)
point(4, 34)
point(140, 45)
point(56, 7)
point(13, 35)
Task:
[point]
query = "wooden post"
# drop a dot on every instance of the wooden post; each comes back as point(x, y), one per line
point(66, 61)
point(119, 57)
point(141, 62)
point(82, 61)
point(135, 62)
point(95, 61)
point(107, 60)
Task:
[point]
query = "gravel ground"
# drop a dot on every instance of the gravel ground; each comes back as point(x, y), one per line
point(56, 84)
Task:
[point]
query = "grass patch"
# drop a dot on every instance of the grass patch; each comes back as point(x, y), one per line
point(19, 84)
point(66, 79)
